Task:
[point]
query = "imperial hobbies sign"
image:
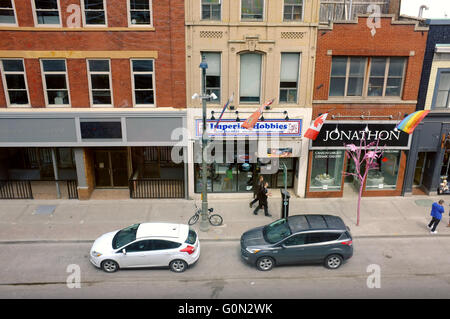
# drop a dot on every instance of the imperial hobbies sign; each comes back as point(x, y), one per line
point(232, 128)
point(352, 133)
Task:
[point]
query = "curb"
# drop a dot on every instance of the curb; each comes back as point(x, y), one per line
point(232, 239)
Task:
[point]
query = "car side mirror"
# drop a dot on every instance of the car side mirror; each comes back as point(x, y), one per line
point(124, 251)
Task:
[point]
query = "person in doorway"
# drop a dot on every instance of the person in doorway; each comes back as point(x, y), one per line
point(436, 213)
point(262, 197)
point(228, 179)
point(257, 186)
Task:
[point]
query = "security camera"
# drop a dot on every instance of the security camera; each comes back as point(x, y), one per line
point(195, 96)
point(213, 96)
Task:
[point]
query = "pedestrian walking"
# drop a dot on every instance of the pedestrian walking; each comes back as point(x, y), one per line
point(262, 197)
point(436, 213)
point(257, 186)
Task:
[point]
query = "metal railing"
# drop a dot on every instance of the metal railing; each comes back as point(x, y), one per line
point(343, 10)
point(72, 189)
point(156, 188)
point(22, 189)
point(15, 189)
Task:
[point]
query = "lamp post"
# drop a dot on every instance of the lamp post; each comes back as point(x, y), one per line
point(204, 224)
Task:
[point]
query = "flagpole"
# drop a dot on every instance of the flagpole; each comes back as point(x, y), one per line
point(204, 224)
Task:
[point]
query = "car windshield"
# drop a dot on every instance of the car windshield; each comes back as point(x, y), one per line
point(125, 236)
point(276, 231)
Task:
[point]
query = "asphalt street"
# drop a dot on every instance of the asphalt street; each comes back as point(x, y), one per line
point(408, 267)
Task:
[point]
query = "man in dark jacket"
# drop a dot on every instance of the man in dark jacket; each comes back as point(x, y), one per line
point(262, 197)
point(257, 186)
point(436, 213)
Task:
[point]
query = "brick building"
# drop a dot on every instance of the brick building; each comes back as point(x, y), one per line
point(367, 78)
point(91, 91)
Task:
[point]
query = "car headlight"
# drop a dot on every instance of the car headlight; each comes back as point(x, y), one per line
point(95, 254)
point(253, 250)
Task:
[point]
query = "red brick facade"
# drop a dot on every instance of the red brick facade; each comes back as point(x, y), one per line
point(350, 39)
point(393, 39)
point(166, 38)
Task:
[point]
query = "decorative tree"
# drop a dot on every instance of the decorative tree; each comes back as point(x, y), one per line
point(365, 158)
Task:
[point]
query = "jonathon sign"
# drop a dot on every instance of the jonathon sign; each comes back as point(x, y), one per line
point(336, 135)
point(230, 128)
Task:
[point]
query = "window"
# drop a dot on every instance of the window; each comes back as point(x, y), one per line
point(289, 77)
point(384, 76)
point(326, 171)
point(47, 12)
point(99, 74)
point(212, 75)
point(442, 95)
point(54, 75)
point(347, 76)
point(252, 9)
point(140, 13)
point(94, 12)
point(211, 9)
point(14, 82)
point(143, 85)
point(142, 245)
point(125, 236)
point(276, 231)
point(293, 10)
point(164, 244)
point(385, 176)
point(7, 12)
point(250, 78)
point(295, 240)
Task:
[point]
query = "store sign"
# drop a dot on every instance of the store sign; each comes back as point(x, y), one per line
point(336, 135)
point(233, 128)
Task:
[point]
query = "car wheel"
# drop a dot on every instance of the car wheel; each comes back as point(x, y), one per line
point(333, 261)
point(265, 263)
point(110, 266)
point(178, 265)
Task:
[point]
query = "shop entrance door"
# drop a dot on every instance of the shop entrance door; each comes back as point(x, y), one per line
point(111, 169)
point(422, 160)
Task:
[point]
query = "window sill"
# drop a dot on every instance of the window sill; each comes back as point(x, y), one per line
point(364, 101)
point(80, 29)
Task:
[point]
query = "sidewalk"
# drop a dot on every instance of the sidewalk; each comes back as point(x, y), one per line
point(73, 220)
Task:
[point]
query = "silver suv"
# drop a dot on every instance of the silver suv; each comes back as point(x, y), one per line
point(298, 239)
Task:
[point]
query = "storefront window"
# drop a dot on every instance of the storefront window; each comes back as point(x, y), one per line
point(241, 171)
point(385, 177)
point(326, 173)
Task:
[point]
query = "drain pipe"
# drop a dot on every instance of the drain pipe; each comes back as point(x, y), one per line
point(55, 171)
point(422, 7)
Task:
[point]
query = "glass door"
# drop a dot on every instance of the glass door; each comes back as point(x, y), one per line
point(102, 169)
point(420, 167)
point(119, 169)
point(111, 169)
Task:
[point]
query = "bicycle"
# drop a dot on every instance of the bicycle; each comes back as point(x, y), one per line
point(214, 219)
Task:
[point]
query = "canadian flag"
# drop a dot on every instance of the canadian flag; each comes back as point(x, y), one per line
point(315, 127)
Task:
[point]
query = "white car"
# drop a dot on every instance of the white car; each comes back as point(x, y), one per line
point(147, 245)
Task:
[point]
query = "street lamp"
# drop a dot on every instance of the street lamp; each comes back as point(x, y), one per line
point(204, 224)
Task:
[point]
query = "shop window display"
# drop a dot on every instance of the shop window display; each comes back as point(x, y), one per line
point(385, 176)
point(326, 172)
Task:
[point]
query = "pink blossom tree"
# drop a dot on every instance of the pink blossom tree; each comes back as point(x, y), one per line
point(365, 158)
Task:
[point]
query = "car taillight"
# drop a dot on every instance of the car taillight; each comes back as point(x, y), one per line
point(189, 249)
point(348, 243)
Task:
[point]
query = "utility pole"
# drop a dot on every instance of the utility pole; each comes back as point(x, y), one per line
point(204, 224)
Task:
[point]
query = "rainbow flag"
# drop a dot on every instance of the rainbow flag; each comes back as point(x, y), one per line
point(410, 122)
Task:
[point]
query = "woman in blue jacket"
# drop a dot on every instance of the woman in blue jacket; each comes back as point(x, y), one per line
point(436, 213)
